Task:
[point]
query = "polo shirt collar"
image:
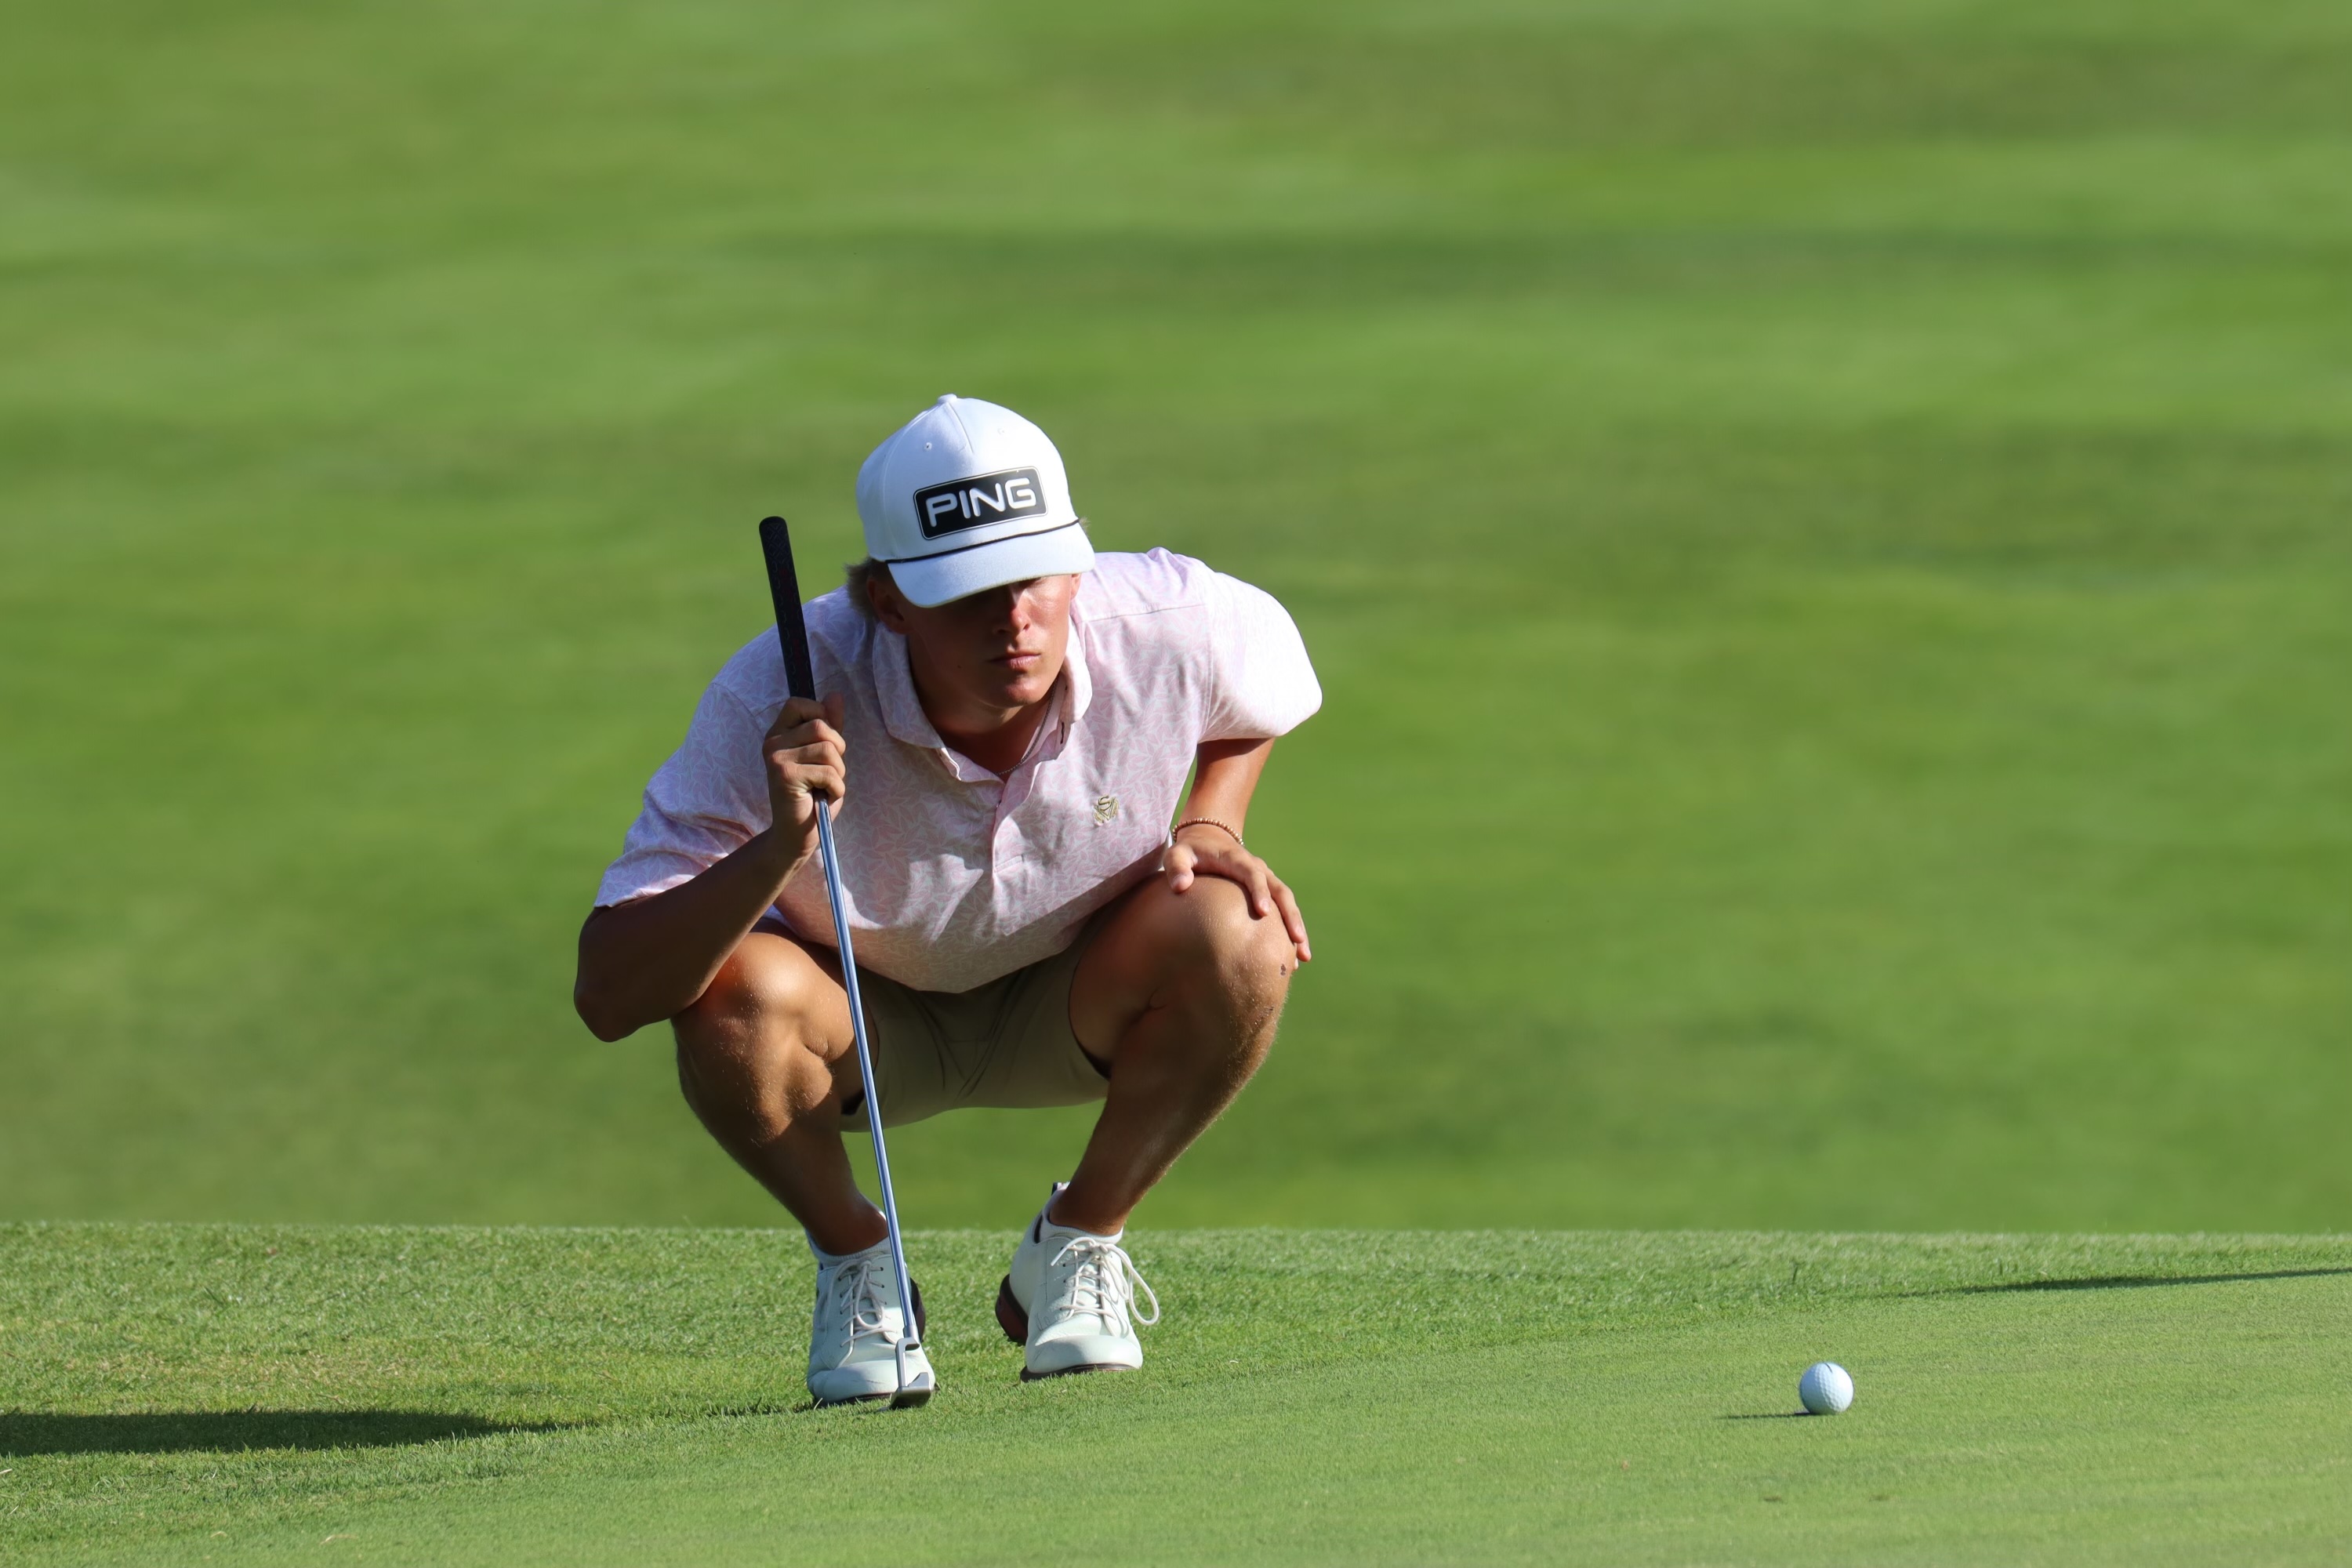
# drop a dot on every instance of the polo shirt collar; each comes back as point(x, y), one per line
point(894, 683)
point(1080, 684)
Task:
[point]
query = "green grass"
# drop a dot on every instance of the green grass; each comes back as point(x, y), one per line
point(1823, 527)
point(179, 1394)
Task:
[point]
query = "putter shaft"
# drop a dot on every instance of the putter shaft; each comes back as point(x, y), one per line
point(911, 1337)
point(799, 679)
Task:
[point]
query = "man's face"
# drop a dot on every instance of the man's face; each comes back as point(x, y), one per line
point(998, 650)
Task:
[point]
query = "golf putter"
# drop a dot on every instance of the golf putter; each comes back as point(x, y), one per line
point(800, 676)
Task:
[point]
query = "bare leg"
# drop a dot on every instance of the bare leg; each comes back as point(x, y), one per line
point(1179, 992)
point(766, 1058)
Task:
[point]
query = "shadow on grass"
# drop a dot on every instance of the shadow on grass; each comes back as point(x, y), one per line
point(1771, 1416)
point(228, 1431)
point(2130, 1281)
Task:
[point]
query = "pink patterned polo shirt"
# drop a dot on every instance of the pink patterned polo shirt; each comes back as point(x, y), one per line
point(954, 876)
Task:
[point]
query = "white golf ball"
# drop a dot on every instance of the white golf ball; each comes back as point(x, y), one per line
point(1825, 1388)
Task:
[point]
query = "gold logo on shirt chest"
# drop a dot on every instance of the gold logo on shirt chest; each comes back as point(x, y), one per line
point(1105, 808)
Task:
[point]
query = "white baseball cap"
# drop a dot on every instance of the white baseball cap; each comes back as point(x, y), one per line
point(967, 496)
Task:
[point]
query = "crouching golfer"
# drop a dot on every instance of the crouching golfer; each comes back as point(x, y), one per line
point(1007, 721)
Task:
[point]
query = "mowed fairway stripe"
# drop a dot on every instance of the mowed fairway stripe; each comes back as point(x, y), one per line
point(2174, 1411)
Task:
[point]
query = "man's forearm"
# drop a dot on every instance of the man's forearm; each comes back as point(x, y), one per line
point(643, 962)
point(1225, 776)
point(1208, 841)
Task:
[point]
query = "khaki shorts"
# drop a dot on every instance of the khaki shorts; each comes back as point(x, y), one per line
point(1007, 1044)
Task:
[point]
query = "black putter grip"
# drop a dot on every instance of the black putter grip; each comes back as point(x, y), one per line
point(785, 587)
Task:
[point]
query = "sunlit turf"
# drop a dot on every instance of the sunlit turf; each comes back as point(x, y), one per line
point(174, 1393)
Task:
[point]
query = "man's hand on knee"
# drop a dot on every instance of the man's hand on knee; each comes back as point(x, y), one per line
point(1212, 849)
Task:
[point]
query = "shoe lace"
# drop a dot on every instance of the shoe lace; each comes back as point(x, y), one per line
point(1104, 1280)
point(859, 1288)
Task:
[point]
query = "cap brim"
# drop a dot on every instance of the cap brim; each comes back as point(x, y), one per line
point(933, 580)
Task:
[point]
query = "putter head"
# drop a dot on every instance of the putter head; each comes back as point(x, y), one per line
point(915, 1384)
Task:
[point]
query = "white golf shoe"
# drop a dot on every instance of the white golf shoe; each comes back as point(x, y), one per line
point(1069, 1300)
point(854, 1339)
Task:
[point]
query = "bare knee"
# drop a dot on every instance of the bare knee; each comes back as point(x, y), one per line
point(757, 988)
point(1208, 941)
point(1226, 935)
point(1196, 954)
point(1229, 973)
point(755, 1044)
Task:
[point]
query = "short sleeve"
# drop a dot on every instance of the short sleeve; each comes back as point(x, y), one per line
point(1264, 684)
point(702, 806)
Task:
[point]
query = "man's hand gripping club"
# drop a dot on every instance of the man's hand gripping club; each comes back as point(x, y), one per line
point(806, 758)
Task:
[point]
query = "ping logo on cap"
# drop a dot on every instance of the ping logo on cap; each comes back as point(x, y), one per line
point(976, 502)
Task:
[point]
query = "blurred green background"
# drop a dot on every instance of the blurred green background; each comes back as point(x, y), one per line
point(1826, 530)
